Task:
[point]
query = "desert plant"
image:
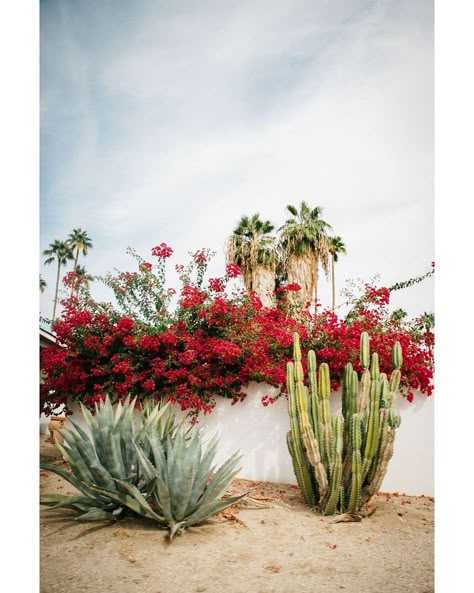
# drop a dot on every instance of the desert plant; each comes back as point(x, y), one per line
point(183, 489)
point(104, 460)
point(341, 460)
point(153, 467)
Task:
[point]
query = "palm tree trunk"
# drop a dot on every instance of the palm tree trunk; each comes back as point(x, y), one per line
point(301, 270)
point(316, 278)
point(263, 284)
point(333, 283)
point(56, 292)
point(74, 269)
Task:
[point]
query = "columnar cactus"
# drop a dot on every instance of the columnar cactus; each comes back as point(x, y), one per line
point(341, 460)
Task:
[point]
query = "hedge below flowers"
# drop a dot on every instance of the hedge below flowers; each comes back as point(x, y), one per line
point(211, 344)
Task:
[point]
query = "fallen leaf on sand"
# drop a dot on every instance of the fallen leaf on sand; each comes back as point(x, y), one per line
point(272, 567)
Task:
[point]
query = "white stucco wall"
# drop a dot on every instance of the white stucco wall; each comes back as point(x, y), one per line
point(260, 434)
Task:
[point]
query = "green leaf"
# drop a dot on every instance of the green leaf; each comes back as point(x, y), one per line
point(97, 515)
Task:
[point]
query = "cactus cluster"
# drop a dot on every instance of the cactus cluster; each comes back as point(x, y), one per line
point(341, 460)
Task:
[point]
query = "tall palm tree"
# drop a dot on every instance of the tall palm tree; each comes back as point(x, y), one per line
point(80, 242)
point(304, 243)
point(43, 284)
point(254, 250)
point(335, 246)
point(61, 252)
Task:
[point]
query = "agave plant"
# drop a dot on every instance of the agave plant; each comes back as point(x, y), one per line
point(182, 487)
point(106, 459)
point(153, 466)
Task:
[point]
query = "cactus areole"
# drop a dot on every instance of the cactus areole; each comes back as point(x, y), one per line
point(340, 460)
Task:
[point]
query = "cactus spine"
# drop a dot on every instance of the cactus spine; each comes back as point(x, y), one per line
point(340, 461)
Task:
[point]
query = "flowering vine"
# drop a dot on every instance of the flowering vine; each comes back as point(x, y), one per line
point(213, 342)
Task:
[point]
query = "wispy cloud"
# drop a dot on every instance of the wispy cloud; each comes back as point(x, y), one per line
point(185, 117)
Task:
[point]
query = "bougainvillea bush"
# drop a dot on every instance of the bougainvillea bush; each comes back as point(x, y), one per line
point(205, 340)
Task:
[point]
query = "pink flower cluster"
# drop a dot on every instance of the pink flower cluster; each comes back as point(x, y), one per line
point(162, 250)
point(233, 270)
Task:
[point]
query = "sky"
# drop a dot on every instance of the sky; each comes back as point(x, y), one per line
point(166, 122)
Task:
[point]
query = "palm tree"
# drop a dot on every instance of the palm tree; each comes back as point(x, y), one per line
point(254, 250)
point(335, 246)
point(304, 243)
point(61, 252)
point(80, 241)
point(43, 284)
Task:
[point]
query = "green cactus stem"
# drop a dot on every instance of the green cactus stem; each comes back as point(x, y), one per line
point(315, 405)
point(356, 473)
point(374, 366)
point(397, 357)
point(364, 350)
point(363, 402)
point(329, 505)
point(340, 461)
point(326, 427)
point(294, 441)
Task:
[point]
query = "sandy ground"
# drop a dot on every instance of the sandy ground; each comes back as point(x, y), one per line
point(271, 543)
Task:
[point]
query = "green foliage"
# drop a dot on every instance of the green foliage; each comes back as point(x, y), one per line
point(101, 459)
point(341, 460)
point(182, 489)
point(151, 466)
point(412, 281)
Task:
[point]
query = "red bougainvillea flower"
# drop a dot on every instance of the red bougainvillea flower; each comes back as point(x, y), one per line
point(200, 256)
point(293, 286)
point(214, 344)
point(162, 250)
point(232, 270)
point(216, 284)
point(144, 266)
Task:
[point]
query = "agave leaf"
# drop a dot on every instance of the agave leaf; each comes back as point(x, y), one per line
point(188, 477)
point(211, 508)
point(178, 464)
point(170, 448)
point(104, 450)
point(77, 503)
point(117, 468)
point(97, 515)
point(162, 499)
point(53, 499)
point(81, 433)
point(91, 420)
point(153, 419)
point(60, 471)
point(118, 412)
point(135, 493)
point(203, 474)
point(127, 450)
point(121, 499)
point(135, 501)
point(221, 479)
point(158, 456)
point(107, 412)
point(79, 453)
point(146, 469)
